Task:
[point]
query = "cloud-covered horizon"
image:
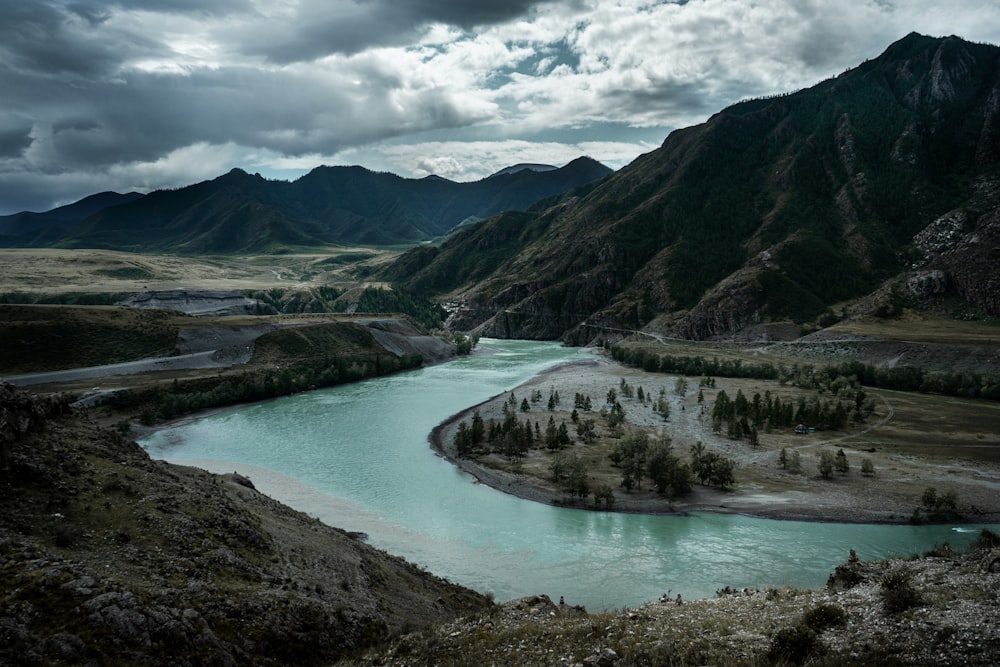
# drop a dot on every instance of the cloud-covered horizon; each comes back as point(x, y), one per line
point(119, 95)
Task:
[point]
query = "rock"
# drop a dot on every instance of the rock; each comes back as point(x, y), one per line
point(243, 481)
point(993, 561)
point(197, 302)
point(925, 283)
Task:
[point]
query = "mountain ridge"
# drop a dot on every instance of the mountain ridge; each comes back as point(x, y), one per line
point(789, 208)
point(238, 211)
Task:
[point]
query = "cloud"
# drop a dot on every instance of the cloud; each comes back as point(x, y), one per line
point(311, 29)
point(97, 90)
point(473, 160)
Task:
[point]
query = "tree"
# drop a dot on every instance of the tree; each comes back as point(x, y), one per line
point(840, 462)
point(712, 468)
point(698, 467)
point(826, 465)
point(722, 472)
point(670, 477)
point(463, 440)
point(551, 435)
point(867, 467)
point(783, 458)
point(557, 468)
point(576, 477)
point(524, 405)
point(478, 429)
point(605, 494)
point(939, 507)
point(586, 430)
point(562, 435)
point(615, 416)
point(662, 407)
point(795, 462)
point(634, 449)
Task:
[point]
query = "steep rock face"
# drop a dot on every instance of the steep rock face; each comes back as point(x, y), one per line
point(963, 246)
point(198, 302)
point(834, 185)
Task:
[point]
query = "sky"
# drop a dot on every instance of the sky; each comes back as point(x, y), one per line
point(137, 95)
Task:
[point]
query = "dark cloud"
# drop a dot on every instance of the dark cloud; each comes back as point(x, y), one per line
point(53, 40)
point(321, 27)
point(100, 10)
point(127, 94)
point(142, 116)
point(14, 141)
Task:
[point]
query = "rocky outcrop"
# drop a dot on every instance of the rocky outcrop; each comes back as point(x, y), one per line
point(402, 338)
point(198, 302)
point(22, 413)
point(922, 284)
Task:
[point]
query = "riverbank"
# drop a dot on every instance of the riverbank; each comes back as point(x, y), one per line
point(763, 488)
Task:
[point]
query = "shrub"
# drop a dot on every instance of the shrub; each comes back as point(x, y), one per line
point(898, 593)
point(987, 540)
point(824, 616)
point(66, 535)
point(794, 645)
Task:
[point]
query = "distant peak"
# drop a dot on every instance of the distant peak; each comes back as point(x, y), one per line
point(524, 166)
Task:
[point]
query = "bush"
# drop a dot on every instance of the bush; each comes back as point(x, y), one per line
point(898, 593)
point(794, 645)
point(987, 540)
point(824, 616)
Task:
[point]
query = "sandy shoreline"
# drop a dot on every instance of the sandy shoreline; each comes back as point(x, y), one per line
point(761, 490)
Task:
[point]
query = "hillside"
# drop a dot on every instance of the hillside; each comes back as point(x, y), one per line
point(934, 610)
point(35, 228)
point(868, 193)
point(240, 212)
point(109, 557)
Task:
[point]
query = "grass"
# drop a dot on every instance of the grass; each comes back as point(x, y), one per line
point(55, 271)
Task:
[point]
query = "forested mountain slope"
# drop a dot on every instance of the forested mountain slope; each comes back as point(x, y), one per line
point(880, 184)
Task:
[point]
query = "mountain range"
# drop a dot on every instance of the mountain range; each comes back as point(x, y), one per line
point(868, 193)
point(241, 212)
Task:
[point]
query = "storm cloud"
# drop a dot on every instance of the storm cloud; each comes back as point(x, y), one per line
point(126, 95)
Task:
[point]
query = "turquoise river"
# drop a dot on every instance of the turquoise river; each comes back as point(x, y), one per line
point(357, 457)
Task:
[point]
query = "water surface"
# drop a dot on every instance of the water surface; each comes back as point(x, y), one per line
point(357, 457)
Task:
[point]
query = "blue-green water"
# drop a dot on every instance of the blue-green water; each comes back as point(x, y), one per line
point(357, 457)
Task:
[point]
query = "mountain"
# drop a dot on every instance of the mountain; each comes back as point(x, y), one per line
point(871, 191)
point(243, 212)
point(513, 169)
point(32, 228)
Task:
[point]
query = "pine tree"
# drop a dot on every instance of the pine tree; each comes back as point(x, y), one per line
point(840, 462)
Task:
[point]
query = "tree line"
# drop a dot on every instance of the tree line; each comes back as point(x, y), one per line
point(900, 378)
point(184, 397)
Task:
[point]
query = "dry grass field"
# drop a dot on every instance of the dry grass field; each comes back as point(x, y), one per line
point(55, 271)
